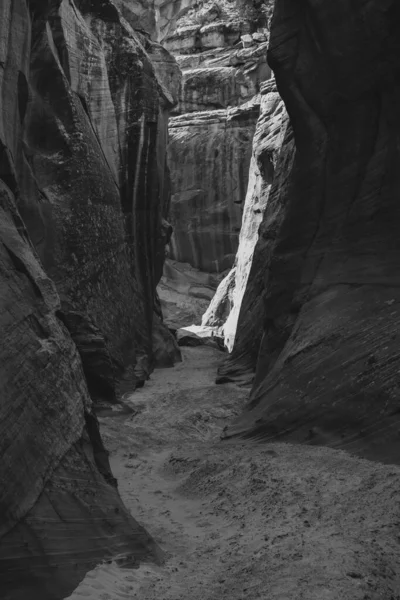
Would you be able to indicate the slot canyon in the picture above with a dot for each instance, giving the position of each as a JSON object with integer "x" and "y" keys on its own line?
{"x": 200, "y": 360}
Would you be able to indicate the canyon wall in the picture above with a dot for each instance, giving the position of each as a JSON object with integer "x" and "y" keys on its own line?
{"x": 240, "y": 293}
{"x": 84, "y": 196}
{"x": 327, "y": 367}
{"x": 93, "y": 101}
{"x": 221, "y": 50}
{"x": 222, "y": 53}
{"x": 209, "y": 155}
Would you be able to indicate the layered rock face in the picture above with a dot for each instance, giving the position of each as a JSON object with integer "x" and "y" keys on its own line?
{"x": 209, "y": 154}
{"x": 185, "y": 293}
{"x": 221, "y": 49}
{"x": 83, "y": 201}
{"x": 327, "y": 367}
{"x": 243, "y": 285}
{"x": 91, "y": 169}
{"x": 210, "y": 141}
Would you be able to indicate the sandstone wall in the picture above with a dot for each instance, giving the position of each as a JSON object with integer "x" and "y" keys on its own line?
{"x": 91, "y": 171}
{"x": 82, "y": 198}
{"x": 222, "y": 66}
{"x": 221, "y": 49}
{"x": 208, "y": 154}
{"x": 327, "y": 368}
{"x": 240, "y": 293}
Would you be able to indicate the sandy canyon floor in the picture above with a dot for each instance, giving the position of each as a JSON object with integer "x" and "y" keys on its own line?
{"x": 241, "y": 520}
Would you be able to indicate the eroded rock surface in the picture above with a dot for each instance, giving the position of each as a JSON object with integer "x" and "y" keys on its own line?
{"x": 244, "y": 283}
{"x": 91, "y": 175}
{"x": 185, "y": 293}
{"x": 209, "y": 154}
{"x": 327, "y": 367}
{"x": 60, "y": 510}
{"x": 221, "y": 50}
{"x": 83, "y": 124}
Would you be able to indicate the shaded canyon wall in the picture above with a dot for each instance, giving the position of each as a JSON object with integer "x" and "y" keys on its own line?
{"x": 221, "y": 50}
{"x": 327, "y": 367}
{"x": 83, "y": 201}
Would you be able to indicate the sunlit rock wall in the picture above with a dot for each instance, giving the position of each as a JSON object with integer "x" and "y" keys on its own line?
{"x": 223, "y": 65}
{"x": 244, "y": 283}
{"x": 209, "y": 154}
{"x": 221, "y": 49}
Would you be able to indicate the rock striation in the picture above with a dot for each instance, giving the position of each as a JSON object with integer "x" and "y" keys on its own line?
{"x": 208, "y": 155}
{"x": 327, "y": 366}
{"x": 90, "y": 167}
{"x": 84, "y": 197}
{"x": 241, "y": 290}
{"x": 185, "y": 293}
{"x": 221, "y": 50}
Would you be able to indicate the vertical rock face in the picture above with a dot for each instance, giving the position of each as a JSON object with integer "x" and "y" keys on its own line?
{"x": 140, "y": 14}
{"x": 91, "y": 167}
{"x": 221, "y": 49}
{"x": 242, "y": 288}
{"x": 82, "y": 234}
{"x": 222, "y": 66}
{"x": 209, "y": 154}
{"x": 327, "y": 369}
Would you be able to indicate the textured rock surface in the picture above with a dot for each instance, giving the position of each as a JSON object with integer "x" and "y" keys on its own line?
{"x": 221, "y": 49}
{"x": 185, "y": 293}
{"x": 327, "y": 368}
{"x": 209, "y": 154}
{"x": 140, "y": 14}
{"x": 210, "y": 140}
{"x": 266, "y": 166}
{"x": 82, "y": 243}
{"x": 54, "y": 469}
{"x": 91, "y": 167}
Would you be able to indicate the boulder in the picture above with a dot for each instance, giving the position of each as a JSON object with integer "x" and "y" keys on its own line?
{"x": 247, "y": 41}
{"x": 197, "y": 335}
{"x": 185, "y": 293}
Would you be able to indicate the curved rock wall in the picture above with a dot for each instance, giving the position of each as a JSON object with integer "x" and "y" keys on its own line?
{"x": 83, "y": 193}
{"x": 243, "y": 284}
{"x": 326, "y": 370}
{"x": 54, "y": 469}
{"x": 221, "y": 49}
{"x": 91, "y": 167}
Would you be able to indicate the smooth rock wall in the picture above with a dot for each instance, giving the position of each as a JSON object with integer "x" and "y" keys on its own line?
{"x": 239, "y": 296}
{"x": 327, "y": 367}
